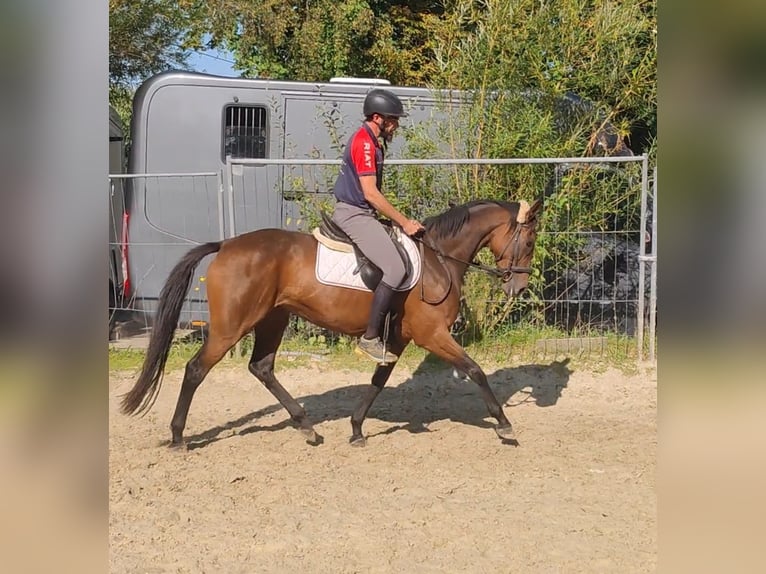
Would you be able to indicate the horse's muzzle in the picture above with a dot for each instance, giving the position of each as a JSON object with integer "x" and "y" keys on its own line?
{"x": 513, "y": 288}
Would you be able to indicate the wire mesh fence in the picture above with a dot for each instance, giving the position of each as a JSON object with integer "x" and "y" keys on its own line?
{"x": 594, "y": 245}
{"x": 154, "y": 219}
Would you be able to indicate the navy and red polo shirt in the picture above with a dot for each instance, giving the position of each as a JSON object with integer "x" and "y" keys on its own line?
{"x": 363, "y": 156}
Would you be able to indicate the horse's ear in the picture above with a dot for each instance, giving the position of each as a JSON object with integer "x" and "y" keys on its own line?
{"x": 535, "y": 209}
{"x": 523, "y": 214}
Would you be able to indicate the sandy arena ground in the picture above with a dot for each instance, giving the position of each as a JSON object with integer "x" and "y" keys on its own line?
{"x": 434, "y": 490}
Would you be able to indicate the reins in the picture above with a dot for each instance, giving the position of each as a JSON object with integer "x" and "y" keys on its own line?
{"x": 440, "y": 257}
{"x": 495, "y": 271}
{"x": 504, "y": 274}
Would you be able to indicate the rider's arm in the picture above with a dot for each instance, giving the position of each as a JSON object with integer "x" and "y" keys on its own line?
{"x": 375, "y": 198}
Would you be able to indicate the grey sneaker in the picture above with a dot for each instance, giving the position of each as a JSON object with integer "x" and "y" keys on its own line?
{"x": 374, "y": 349}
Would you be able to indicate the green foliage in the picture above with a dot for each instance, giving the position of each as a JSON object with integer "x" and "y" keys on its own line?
{"x": 517, "y": 55}
{"x": 512, "y": 344}
{"x": 147, "y": 37}
{"x": 601, "y": 50}
{"x": 314, "y": 41}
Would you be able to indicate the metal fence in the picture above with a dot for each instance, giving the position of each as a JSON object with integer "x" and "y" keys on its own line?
{"x": 596, "y": 244}
{"x": 165, "y": 214}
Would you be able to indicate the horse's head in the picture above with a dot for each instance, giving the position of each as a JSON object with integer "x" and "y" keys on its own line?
{"x": 513, "y": 246}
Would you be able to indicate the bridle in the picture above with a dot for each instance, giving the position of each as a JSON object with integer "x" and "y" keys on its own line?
{"x": 507, "y": 274}
{"x": 504, "y": 274}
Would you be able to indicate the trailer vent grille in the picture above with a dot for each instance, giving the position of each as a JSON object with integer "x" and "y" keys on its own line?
{"x": 245, "y": 132}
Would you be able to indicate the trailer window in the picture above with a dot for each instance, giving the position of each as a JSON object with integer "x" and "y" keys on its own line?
{"x": 244, "y": 134}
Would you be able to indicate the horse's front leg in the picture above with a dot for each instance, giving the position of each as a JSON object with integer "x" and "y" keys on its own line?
{"x": 379, "y": 379}
{"x": 444, "y": 346}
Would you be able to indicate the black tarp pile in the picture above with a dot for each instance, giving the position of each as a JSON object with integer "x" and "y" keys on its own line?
{"x": 600, "y": 292}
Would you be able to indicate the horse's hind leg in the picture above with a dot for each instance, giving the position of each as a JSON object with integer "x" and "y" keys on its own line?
{"x": 443, "y": 345}
{"x": 268, "y": 337}
{"x": 212, "y": 351}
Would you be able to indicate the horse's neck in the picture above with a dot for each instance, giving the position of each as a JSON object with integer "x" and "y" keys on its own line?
{"x": 465, "y": 247}
{"x": 472, "y": 241}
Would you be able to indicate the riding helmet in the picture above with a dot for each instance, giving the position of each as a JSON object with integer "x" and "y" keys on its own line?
{"x": 383, "y": 102}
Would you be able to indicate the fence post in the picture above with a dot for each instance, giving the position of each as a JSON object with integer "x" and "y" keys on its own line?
{"x": 221, "y": 225}
{"x": 653, "y": 279}
{"x": 641, "y": 261}
{"x": 230, "y": 233}
{"x": 230, "y": 194}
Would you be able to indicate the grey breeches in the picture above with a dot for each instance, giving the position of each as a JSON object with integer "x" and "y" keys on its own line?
{"x": 372, "y": 239}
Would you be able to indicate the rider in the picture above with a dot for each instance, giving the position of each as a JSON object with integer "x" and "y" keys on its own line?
{"x": 358, "y": 195}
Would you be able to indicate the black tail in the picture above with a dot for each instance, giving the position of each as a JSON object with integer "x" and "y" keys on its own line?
{"x": 143, "y": 394}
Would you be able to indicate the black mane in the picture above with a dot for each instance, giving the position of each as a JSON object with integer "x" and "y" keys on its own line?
{"x": 449, "y": 223}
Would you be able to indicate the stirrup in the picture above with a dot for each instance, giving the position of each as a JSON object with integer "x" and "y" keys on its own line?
{"x": 375, "y": 350}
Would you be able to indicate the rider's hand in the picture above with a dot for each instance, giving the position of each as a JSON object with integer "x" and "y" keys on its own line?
{"x": 413, "y": 227}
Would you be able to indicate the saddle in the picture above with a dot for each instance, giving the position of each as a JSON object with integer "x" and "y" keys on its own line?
{"x": 333, "y": 237}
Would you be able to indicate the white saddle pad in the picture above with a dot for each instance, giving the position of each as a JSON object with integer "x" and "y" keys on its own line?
{"x": 336, "y": 268}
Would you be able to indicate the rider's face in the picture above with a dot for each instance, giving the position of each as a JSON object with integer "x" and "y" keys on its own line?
{"x": 388, "y": 127}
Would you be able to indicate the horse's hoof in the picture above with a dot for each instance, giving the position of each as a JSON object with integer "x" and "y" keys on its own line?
{"x": 178, "y": 446}
{"x": 505, "y": 432}
{"x": 357, "y": 441}
{"x": 310, "y": 435}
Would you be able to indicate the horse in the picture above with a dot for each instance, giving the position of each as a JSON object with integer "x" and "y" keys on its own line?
{"x": 258, "y": 279}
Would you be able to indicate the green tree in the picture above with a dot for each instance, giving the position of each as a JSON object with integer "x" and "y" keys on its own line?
{"x": 314, "y": 41}
{"x": 147, "y": 37}
{"x": 601, "y": 50}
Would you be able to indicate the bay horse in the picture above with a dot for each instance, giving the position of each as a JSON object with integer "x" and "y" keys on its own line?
{"x": 258, "y": 279}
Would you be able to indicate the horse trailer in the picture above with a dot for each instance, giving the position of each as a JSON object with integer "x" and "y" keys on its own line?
{"x": 184, "y": 126}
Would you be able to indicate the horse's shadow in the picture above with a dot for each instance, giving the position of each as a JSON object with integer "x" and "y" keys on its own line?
{"x": 431, "y": 394}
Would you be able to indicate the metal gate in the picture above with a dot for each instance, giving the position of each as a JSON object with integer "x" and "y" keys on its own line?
{"x": 595, "y": 282}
